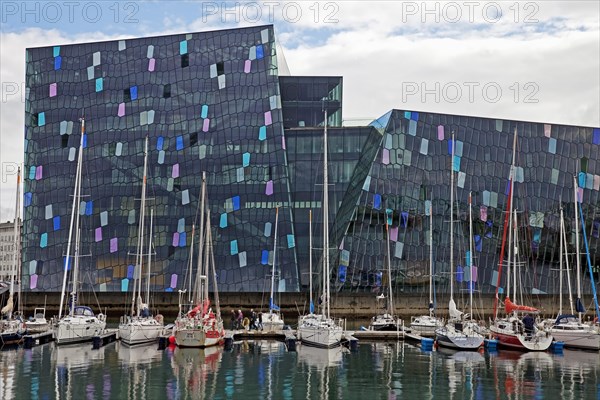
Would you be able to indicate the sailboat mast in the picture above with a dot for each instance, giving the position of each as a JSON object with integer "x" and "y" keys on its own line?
{"x": 471, "y": 283}
{"x": 16, "y": 250}
{"x": 577, "y": 256}
{"x": 139, "y": 258}
{"x": 205, "y": 266}
{"x": 452, "y": 221}
{"x": 507, "y": 219}
{"x": 561, "y": 254}
{"x": 310, "y": 245}
{"x": 74, "y": 210}
{"x": 149, "y": 258}
{"x": 200, "y": 241}
{"x": 325, "y": 219}
{"x": 77, "y": 229}
{"x": 431, "y": 258}
{"x": 389, "y": 269}
{"x": 271, "y": 302}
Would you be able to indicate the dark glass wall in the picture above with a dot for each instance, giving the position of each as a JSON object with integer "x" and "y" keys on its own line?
{"x": 302, "y": 100}
{"x": 208, "y": 102}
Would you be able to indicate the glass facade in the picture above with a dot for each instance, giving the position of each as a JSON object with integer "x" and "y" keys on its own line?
{"x": 411, "y": 176}
{"x": 213, "y": 102}
{"x": 208, "y": 102}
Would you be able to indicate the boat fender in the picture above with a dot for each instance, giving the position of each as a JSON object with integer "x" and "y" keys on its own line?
{"x": 159, "y": 318}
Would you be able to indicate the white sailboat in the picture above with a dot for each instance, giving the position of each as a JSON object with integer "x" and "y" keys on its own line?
{"x": 38, "y": 323}
{"x": 426, "y": 325}
{"x": 569, "y": 328}
{"x": 80, "y": 324}
{"x": 200, "y": 326}
{"x": 387, "y": 321}
{"x": 273, "y": 321}
{"x": 512, "y": 331}
{"x": 140, "y": 326}
{"x": 321, "y": 330}
{"x": 456, "y": 333}
{"x": 12, "y": 327}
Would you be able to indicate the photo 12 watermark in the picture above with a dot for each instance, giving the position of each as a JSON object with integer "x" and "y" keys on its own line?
{"x": 292, "y": 12}
{"x": 472, "y": 12}
{"x": 61, "y": 12}
{"x": 471, "y": 92}
{"x": 8, "y": 171}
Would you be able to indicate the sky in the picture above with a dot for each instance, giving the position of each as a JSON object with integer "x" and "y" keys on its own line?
{"x": 532, "y": 60}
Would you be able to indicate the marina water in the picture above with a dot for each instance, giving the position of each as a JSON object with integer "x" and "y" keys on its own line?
{"x": 266, "y": 370}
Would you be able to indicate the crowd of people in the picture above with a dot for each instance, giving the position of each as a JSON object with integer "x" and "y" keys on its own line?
{"x": 238, "y": 321}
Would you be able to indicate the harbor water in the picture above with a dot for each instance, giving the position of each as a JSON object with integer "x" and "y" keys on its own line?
{"x": 266, "y": 370}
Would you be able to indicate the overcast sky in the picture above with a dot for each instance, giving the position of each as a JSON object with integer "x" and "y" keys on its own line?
{"x": 534, "y": 61}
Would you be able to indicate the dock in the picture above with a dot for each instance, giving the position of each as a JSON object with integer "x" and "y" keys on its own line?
{"x": 378, "y": 335}
{"x": 106, "y": 337}
{"x": 29, "y": 341}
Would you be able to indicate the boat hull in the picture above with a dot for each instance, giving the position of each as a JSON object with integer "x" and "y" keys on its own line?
{"x": 77, "y": 329}
{"x": 587, "y": 340}
{"x": 140, "y": 331}
{"x": 198, "y": 338}
{"x": 459, "y": 342}
{"x": 539, "y": 342}
{"x": 425, "y": 325}
{"x": 318, "y": 331}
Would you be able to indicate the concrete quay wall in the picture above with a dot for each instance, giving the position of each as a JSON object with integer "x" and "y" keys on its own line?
{"x": 353, "y": 306}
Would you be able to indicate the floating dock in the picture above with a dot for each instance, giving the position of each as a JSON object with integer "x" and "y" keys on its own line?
{"x": 37, "y": 339}
{"x": 106, "y": 337}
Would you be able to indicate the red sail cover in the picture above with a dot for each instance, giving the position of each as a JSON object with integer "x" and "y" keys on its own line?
{"x": 509, "y": 307}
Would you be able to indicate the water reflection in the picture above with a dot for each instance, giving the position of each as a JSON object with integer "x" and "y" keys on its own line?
{"x": 266, "y": 370}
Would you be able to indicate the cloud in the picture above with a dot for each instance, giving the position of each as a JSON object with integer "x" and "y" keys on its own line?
{"x": 543, "y": 56}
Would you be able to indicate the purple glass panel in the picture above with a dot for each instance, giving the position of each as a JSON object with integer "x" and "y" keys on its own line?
{"x": 52, "y": 89}
{"x": 268, "y": 119}
{"x": 440, "y": 132}
{"x": 206, "y": 125}
{"x": 269, "y": 190}
{"x": 38, "y": 172}
{"x": 114, "y": 245}
{"x": 98, "y": 234}
{"x": 175, "y": 173}
{"x": 175, "y": 241}
{"x": 474, "y": 274}
{"x": 121, "y": 111}
{"x": 247, "y": 66}
{"x": 483, "y": 213}
{"x": 173, "y": 281}
{"x": 394, "y": 233}
{"x": 385, "y": 158}
{"x": 151, "y": 64}
{"x": 33, "y": 281}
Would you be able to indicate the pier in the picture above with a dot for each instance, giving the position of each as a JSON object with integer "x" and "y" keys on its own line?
{"x": 106, "y": 337}
{"x": 37, "y": 339}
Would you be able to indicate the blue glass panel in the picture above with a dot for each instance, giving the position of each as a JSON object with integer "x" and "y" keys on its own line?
{"x": 378, "y": 276}
{"x": 179, "y": 143}
{"x": 596, "y": 136}
{"x": 159, "y": 143}
{"x": 169, "y": 289}
{"x": 84, "y": 140}
{"x": 89, "y": 207}
{"x": 99, "y": 85}
{"x": 377, "y": 202}
{"x": 489, "y": 225}
{"x": 459, "y": 273}
{"x": 183, "y": 47}
{"x": 130, "y": 271}
{"x": 552, "y": 146}
{"x": 44, "y": 240}
{"x": 450, "y": 143}
{"x": 56, "y": 51}
{"x": 412, "y": 127}
{"x": 236, "y": 203}
{"x": 233, "y": 247}
{"x": 223, "y": 221}
{"x": 31, "y": 173}
{"x": 133, "y": 93}
{"x": 407, "y": 114}
{"x": 404, "y": 219}
{"x": 57, "y": 63}
{"x": 291, "y": 241}
{"x": 27, "y": 201}
{"x": 124, "y": 284}
{"x": 342, "y": 273}
{"x": 264, "y": 260}
{"x": 478, "y": 243}
{"x": 182, "y": 239}
{"x": 456, "y": 163}
{"x": 262, "y": 133}
{"x": 389, "y": 213}
{"x": 56, "y": 221}
{"x": 246, "y": 159}
{"x": 581, "y": 180}
{"x": 41, "y": 119}
{"x": 468, "y": 258}
{"x": 259, "y": 52}
{"x": 414, "y": 116}
{"x": 204, "y": 112}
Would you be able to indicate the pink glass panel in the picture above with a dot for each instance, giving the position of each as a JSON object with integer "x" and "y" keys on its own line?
{"x": 114, "y": 245}
{"x": 206, "y": 125}
{"x": 268, "y": 120}
{"x": 483, "y": 213}
{"x": 52, "y": 89}
{"x": 385, "y": 157}
{"x": 175, "y": 242}
{"x": 38, "y": 173}
{"x": 173, "y": 281}
{"x": 247, "y": 66}
{"x": 175, "y": 173}
{"x": 474, "y": 274}
{"x": 121, "y": 111}
{"x": 98, "y": 234}
{"x": 394, "y": 233}
{"x": 33, "y": 281}
{"x": 269, "y": 190}
{"x": 440, "y": 132}
{"x": 151, "y": 64}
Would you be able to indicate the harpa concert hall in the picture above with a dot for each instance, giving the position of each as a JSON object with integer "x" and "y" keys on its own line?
{"x": 218, "y": 102}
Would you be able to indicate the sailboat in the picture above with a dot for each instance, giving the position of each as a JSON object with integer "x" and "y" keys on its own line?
{"x": 456, "y": 333}
{"x": 512, "y": 331}
{"x": 569, "y": 328}
{"x": 387, "y": 321}
{"x": 273, "y": 321}
{"x": 426, "y": 325}
{"x": 321, "y": 330}
{"x": 12, "y": 327}
{"x": 201, "y": 326}
{"x": 140, "y": 326}
{"x": 79, "y": 324}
